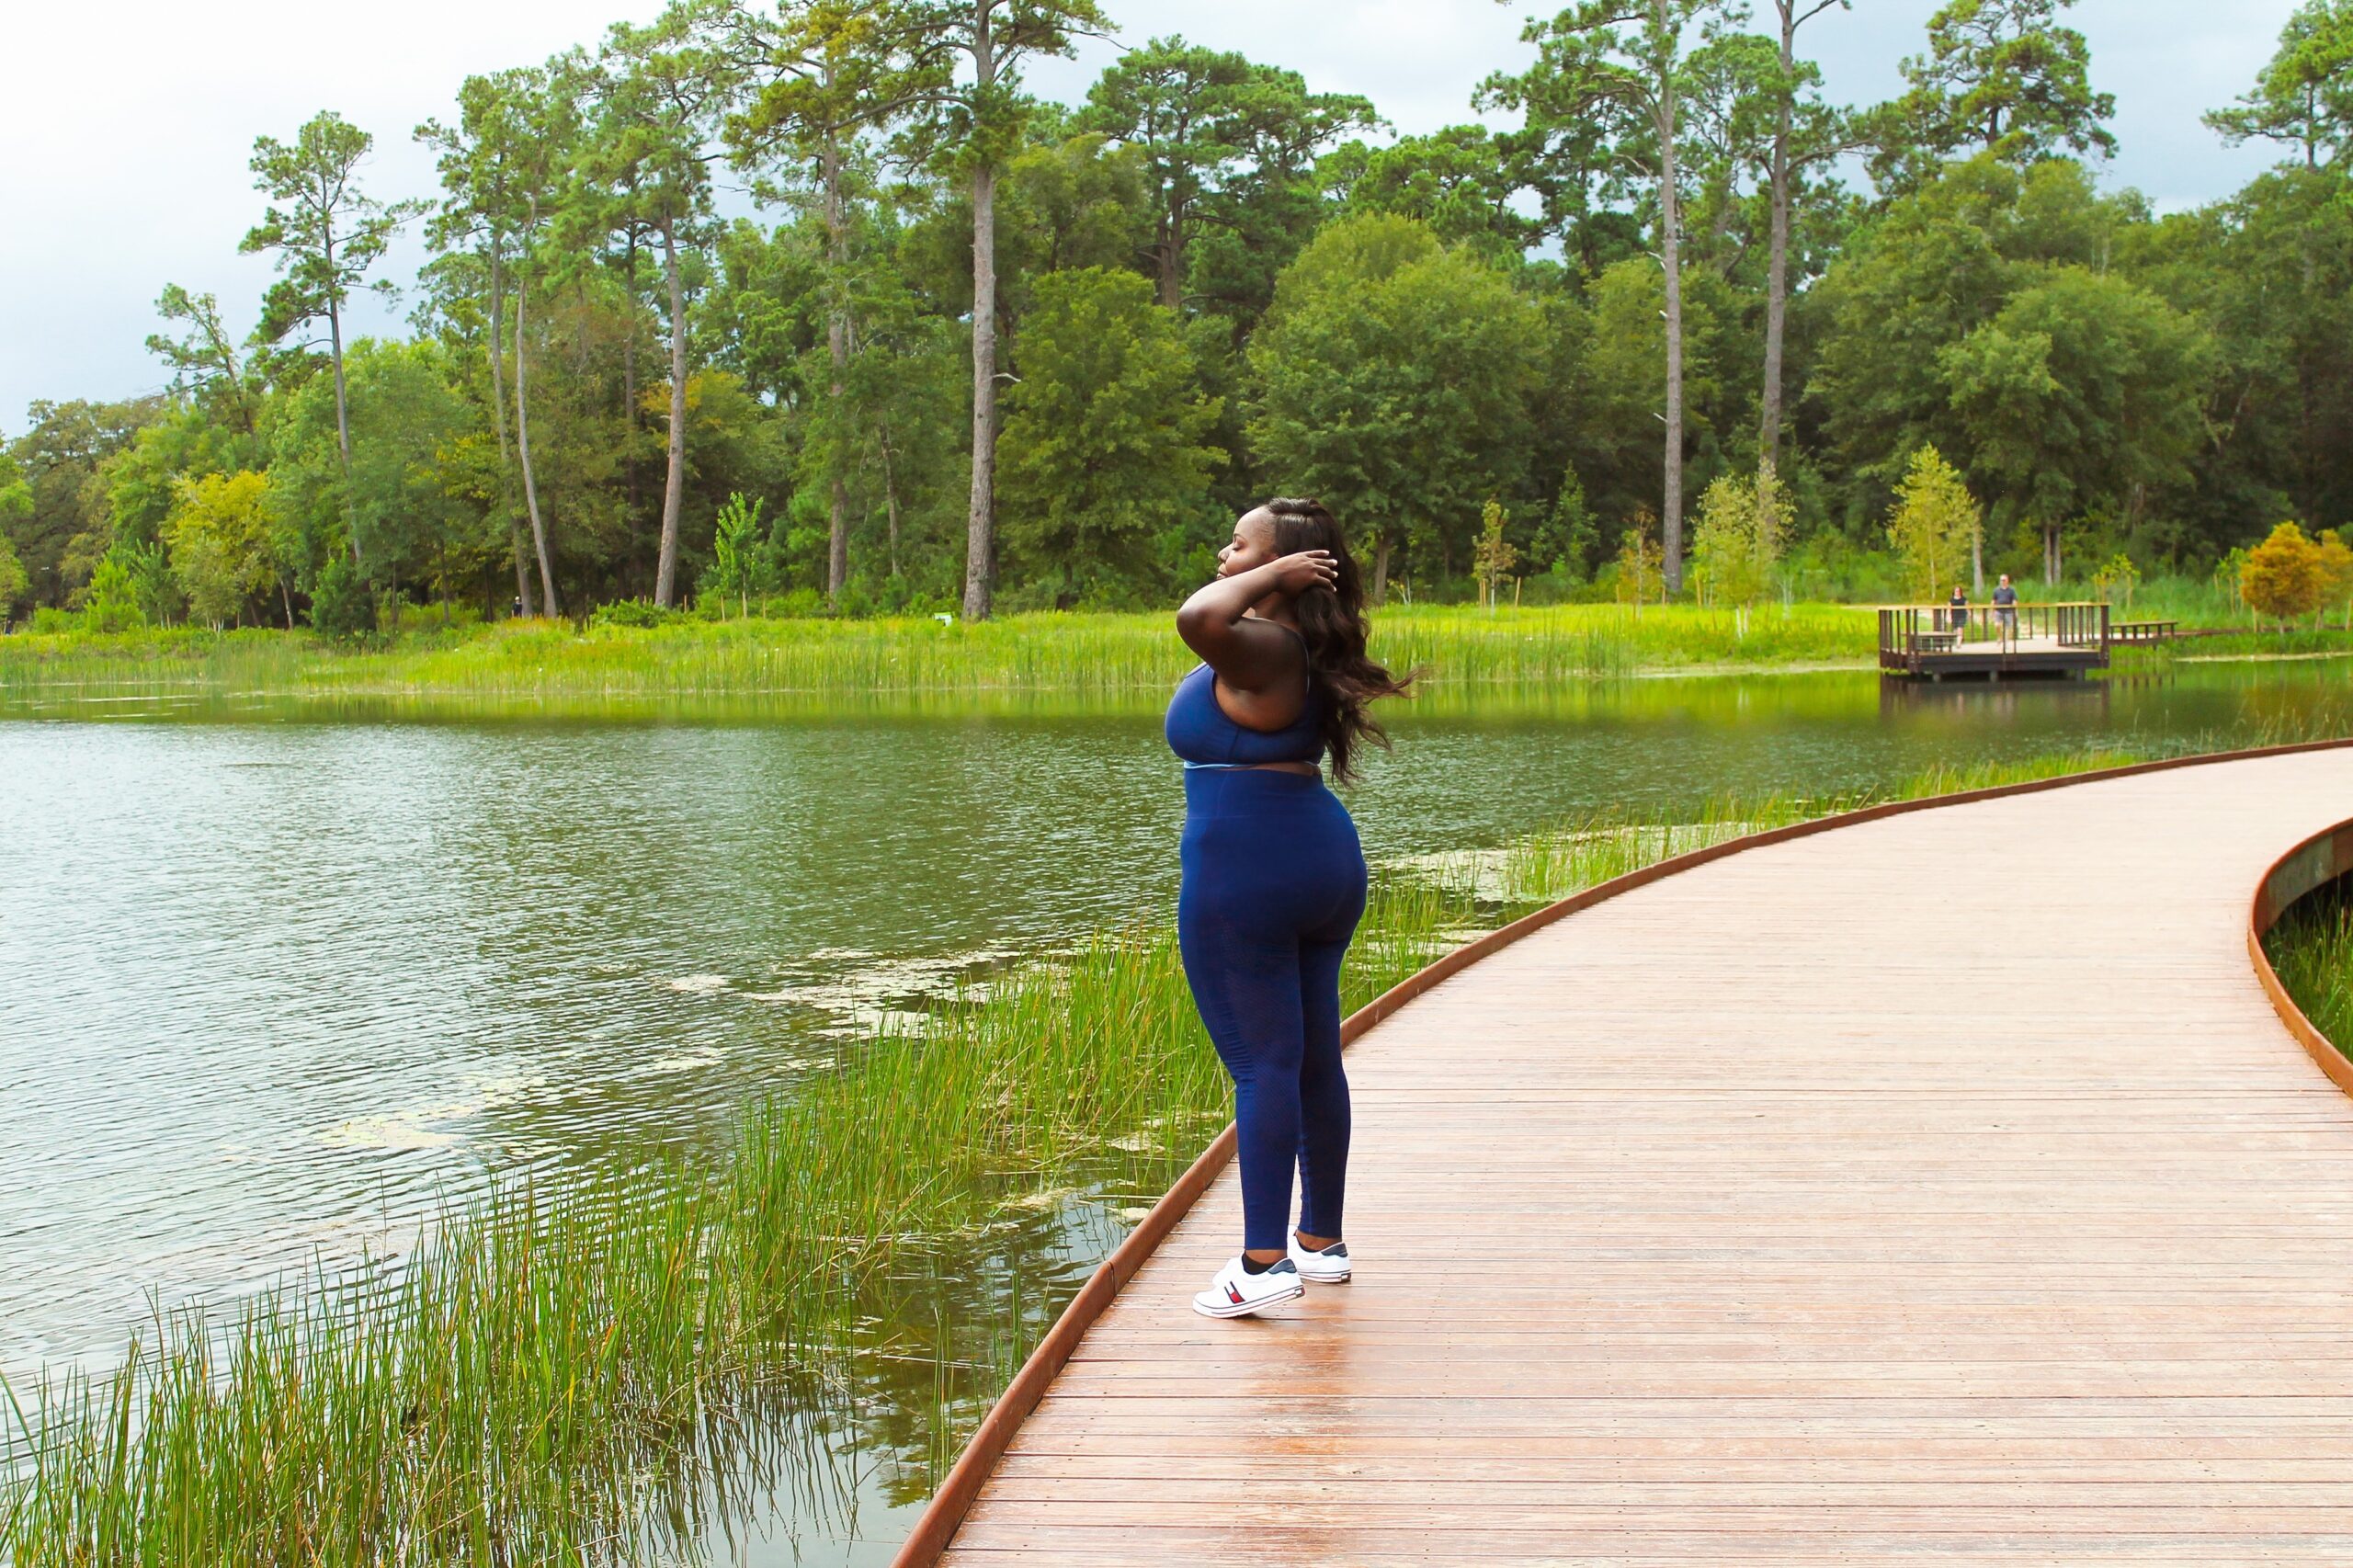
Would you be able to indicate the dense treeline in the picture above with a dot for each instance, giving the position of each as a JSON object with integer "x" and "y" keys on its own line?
{"x": 813, "y": 306}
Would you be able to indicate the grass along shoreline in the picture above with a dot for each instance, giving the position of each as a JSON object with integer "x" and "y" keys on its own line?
{"x": 1070, "y": 654}
{"x": 570, "y": 1373}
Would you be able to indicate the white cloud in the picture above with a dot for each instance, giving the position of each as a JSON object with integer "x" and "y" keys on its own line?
{"x": 128, "y": 125}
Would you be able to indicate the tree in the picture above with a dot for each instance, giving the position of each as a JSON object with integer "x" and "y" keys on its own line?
{"x": 2001, "y": 76}
{"x": 220, "y": 536}
{"x": 1742, "y": 524}
{"x": 2284, "y": 576}
{"x": 1616, "y": 64}
{"x": 327, "y": 234}
{"x": 16, "y": 505}
{"x": 665, "y": 93}
{"x": 1639, "y": 563}
{"x": 2337, "y": 572}
{"x": 973, "y": 124}
{"x": 1103, "y": 453}
{"x": 2083, "y": 392}
{"x": 734, "y": 544}
{"x": 2304, "y": 97}
{"x": 1934, "y": 523}
{"x": 494, "y": 169}
{"x": 826, "y": 72}
{"x": 1494, "y": 556}
{"x": 204, "y": 362}
{"x": 1456, "y": 180}
{"x": 1393, "y": 378}
{"x": 1201, "y": 118}
{"x": 1806, "y": 132}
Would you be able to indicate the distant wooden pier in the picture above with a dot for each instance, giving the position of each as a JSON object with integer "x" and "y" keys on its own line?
{"x": 1985, "y": 642}
{"x": 1938, "y": 1184}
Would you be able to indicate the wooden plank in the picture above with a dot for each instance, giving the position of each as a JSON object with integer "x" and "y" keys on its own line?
{"x": 1762, "y": 1211}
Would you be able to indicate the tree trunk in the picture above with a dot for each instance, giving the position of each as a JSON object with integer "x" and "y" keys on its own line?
{"x": 1172, "y": 262}
{"x": 1671, "y": 256}
{"x": 1777, "y": 270}
{"x": 629, "y": 402}
{"x": 497, "y": 346}
{"x": 286, "y": 597}
{"x": 674, "y": 488}
{"x": 837, "y": 344}
{"x": 1380, "y": 568}
{"x": 342, "y": 409}
{"x": 1977, "y": 563}
{"x": 523, "y": 450}
{"x": 2050, "y": 554}
{"x": 980, "y": 527}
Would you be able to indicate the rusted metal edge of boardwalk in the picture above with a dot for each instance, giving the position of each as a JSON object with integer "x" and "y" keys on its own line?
{"x": 2295, "y": 873}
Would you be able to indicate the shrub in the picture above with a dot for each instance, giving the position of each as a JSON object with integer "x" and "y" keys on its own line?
{"x": 632, "y": 612}
{"x": 341, "y": 605}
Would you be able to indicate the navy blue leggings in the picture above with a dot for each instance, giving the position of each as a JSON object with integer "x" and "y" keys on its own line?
{"x": 1274, "y": 886}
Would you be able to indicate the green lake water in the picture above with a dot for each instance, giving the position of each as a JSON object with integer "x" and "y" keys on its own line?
{"x": 275, "y": 979}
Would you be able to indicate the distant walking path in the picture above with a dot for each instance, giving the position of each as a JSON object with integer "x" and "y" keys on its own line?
{"x": 1937, "y": 1186}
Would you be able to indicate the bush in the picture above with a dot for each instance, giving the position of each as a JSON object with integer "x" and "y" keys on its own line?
{"x": 632, "y": 612}
{"x": 341, "y": 605}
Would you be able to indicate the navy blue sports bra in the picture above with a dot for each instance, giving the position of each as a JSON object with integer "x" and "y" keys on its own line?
{"x": 1200, "y": 732}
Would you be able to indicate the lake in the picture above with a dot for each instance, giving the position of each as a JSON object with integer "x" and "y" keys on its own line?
{"x": 276, "y": 985}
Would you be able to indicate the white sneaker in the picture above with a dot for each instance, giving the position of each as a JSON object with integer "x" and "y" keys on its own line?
{"x": 1237, "y": 1293}
{"x": 1329, "y": 1267}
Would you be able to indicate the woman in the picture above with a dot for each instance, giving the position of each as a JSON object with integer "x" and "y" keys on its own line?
{"x": 1274, "y": 877}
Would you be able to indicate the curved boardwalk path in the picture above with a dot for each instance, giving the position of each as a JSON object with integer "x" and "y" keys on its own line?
{"x": 1939, "y": 1186}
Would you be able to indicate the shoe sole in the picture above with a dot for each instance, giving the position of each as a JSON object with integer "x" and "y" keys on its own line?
{"x": 1247, "y": 1308}
{"x": 1327, "y": 1278}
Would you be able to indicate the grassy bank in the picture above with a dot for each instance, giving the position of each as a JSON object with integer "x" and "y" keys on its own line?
{"x": 856, "y": 660}
{"x": 570, "y": 1374}
{"x": 2311, "y": 949}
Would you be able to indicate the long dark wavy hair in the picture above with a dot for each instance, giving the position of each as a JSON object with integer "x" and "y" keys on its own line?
{"x": 1332, "y": 623}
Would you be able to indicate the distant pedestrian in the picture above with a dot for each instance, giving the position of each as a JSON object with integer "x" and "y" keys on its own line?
{"x": 1957, "y": 611}
{"x": 2006, "y": 607}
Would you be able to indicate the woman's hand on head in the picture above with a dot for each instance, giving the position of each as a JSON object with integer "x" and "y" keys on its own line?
{"x": 1294, "y": 575}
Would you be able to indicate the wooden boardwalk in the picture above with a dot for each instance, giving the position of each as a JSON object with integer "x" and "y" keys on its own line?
{"x": 1939, "y": 1186}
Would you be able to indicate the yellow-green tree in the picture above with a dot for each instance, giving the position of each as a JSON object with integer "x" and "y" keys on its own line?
{"x": 1933, "y": 525}
{"x": 1496, "y": 556}
{"x": 1737, "y": 543}
{"x": 2283, "y": 577}
{"x": 220, "y": 536}
{"x": 1641, "y": 564}
{"x": 2337, "y": 573}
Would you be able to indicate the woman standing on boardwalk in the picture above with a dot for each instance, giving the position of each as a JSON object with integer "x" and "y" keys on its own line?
{"x": 1274, "y": 878}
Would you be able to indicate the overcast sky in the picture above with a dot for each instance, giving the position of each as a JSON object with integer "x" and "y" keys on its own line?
{"x": 125, "y": 125}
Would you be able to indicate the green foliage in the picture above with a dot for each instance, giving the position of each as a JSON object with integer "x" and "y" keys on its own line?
{"x": 2304, "y": 97}
{"x": 734, "y": 547}
{"x": 1932, "y": 525}
{"x": 110, "y": 604}
{"x": 1742, "y": 529}
{"x": 341, "y": 606}
{"x": 1392, "y": 378}
{"x": 13, "y": 581}
{"x": 2001, "y": 78}
{"x": 636, "y": 612}
{"x": 219, "y": 532}
{"x": 1494, "y": 557}
{"x": 1103, "y": 455}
